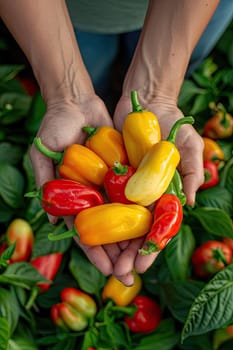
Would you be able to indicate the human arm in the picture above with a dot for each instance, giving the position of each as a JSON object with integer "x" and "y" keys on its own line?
{"x": 44, "y": 32}
{"x": 169, "y": 35}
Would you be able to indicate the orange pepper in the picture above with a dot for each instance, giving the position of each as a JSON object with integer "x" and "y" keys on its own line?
{"x": 212, "y": 151}
{"x": 108, "y": 143}
{"x": 78, "y": 163}
{"x": 109, "y": 223}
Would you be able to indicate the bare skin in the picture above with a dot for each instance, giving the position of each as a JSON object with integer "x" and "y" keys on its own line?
{"x": 170, "y": 33}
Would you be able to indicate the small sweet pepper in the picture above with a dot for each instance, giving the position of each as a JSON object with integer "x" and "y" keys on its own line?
{"x": 220, "y": 125}
{"x": 48, "y": 266}
{"x": 168, "y": 215}
{"x": 147, "y": 316}
{"x": 20, "y": 232}
{"x": 77, "y": 162}
{"x": 210, "y": 257}
{"x": 121, "y": 295}
{"x": 211, "y": 175}
{"x": 62, "y": 197}
{"x": 156, "y": 170}
{"x": 109, "y": 223}
{"x": 115, "y": 181}
{"x": 212, "y": 151}
{"x": 140, "y": 131}
{"x": 108, "y": 143}
{"x": 75, "y": 310}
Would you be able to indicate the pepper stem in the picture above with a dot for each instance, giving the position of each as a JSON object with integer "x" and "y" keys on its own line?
{"x": 135, "y": 103}
{"x": 47, "y": 152}
{"x": 172, "y": 135}
{"x": 34, "y": 194}
{"x": 120, "y": 169}
{"x": 152, "y": 247}
{"x": 89, "y": 130}
{"x": 219, "y": 255}
{"x": 63, "y": 235}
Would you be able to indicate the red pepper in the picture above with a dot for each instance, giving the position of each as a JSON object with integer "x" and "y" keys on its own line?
{"x": 61, "y": 197}
{"x": 20, "y": 232}
{"x": 228, "y": 241}
{"x": 146, "y": 317}
{"x": 211, "y": 257}
{"x": 211, "y": 175}
{"x": 168, "y": 216}
{"x": 48, "y": 266}
{"x": 220, "y": 125}
{"x": 74, "y": 311}
{"x": 115, "y": 181}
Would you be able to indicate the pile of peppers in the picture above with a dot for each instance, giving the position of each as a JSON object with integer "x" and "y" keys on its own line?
{"x": 111, "y": 182}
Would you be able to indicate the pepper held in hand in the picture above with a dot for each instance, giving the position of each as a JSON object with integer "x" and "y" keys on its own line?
{"x": 140, "y": 131}
{"x": 156, "y": 170}
{"x": 77, "y": 163}
{"x": 108, "y": 143}
{"x": 61, "y": 197}
{"x": 109, "y": 223}
{"x": 115, "y": 181}
{"x": 168, "y": 215}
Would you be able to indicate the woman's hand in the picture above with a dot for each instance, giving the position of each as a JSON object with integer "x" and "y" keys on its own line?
{"x": 190, "y": 146}
{"x": 62, "y": 126}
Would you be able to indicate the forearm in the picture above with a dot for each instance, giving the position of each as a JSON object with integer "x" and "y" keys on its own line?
{"x": 169, "y": 35}
{"x": 44, "y": 32}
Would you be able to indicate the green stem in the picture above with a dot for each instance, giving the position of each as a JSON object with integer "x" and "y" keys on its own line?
{"x": 63, "y": 235}
{"x": 120, "y": 169}
{"x": 128, "y": 310}
{"x": 90, "y": 130}
{"x": 58, "y": 156}
{"x": 219, "y": 255}
{"x": 177, "y": 125}
{"x": 33, "y": 295}
{"x": 135, "y": 103}
{"x": 34, "y": 194}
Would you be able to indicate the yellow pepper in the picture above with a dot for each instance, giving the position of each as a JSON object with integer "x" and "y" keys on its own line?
{"x": 108, "y": 143}
{"x": 156, "y": 169}
{"x": 140, "y": 131}
{"x": 109, "y": 223}
{"x": 78, "y": 163}
{"x": 122, "y": 295}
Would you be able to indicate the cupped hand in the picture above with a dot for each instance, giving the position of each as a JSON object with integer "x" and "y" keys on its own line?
{"x": 190, "y": 146}
{"x": 62, "y": 126}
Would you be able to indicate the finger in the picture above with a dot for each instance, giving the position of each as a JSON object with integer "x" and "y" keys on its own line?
{"x": 127, "y": 280}
{"x": 98, "y": 257}
{"x": 143, "y": 262}
{"x": 125, "y": 264}
{"x": 123, "y": 244}
{"x": 113, "y": 251}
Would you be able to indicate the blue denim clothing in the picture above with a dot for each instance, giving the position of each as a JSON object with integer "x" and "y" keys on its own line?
{"x": 101, "y": 51}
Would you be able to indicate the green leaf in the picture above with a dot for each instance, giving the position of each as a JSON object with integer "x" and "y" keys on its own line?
{"x": 89, "y": 278}
{"x": 36, "y": 113}
{"x": 6, "y": 212}
{"x": 9, "y": 308}
{"x": 178, "y": 253}
{"x": 4, "y": 332}
{"x": 179, "y": 296}
{"x": 27, "y": 165}
{"x": 8, "y": 72}
{"x": 10, "y": 153}
{"x": 202, "y": 80}
{"x": 188, "y": 90}
{"x": 215, "y": 221}
{"x": 216, "y": 197}
{"x": 13, "y": 107}
{"x": 213, "y": 307}
{"x": 21, "y": 274}
{"x": 200, "y": 103}
{"x": 11, "y": 185}
{"x": 164, "y": 337}
{"x": 42, "y": 246}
